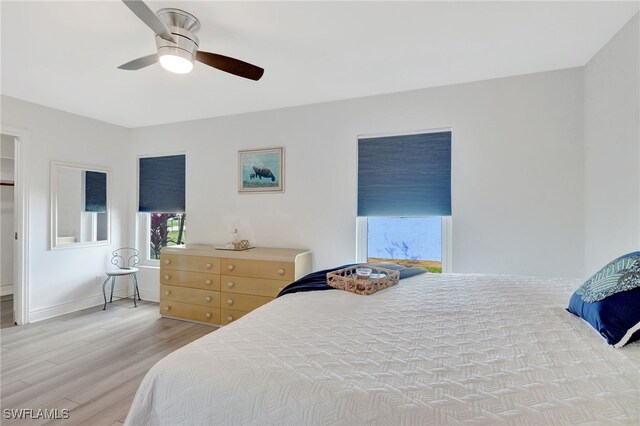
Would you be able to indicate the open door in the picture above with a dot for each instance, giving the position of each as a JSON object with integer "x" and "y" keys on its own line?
{"x": 14, "y": 228}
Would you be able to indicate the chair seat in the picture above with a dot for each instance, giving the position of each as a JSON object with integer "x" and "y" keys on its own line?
{"x": 122, "y": 271}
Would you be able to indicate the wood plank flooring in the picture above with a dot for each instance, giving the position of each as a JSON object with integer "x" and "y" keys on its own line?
{"x": 90, "y": 362}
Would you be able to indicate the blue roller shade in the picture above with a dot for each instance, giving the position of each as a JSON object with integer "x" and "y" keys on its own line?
{"x": 161, "y": 183}
{"x": 95, "y": 192}
{"x": 406, "y": 176}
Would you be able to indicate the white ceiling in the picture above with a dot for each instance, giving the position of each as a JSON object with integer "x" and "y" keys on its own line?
{"x": 64, "y": 54}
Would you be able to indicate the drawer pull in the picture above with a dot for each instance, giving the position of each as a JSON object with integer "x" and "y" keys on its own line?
{"x": 229, "y": 284}
{"x": 208, "y": 298}
{"x": 167, "y": 292}
{"x": 280, "y": 271}
{"x": 167, "y": 261}
{"x": 230, "y": 302}
{"x": 231, "y": 267}
{"x": 209, "y": 266}
{"x": 208, "y": 315}
{"x": 229, "y": 318}
{"x": 166, "y": 308}
{"x": 208, "y": 282}
{"x": 166, "y": 277}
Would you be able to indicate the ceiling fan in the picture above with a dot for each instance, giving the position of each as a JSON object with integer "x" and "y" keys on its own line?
{"x": 177, "y": 44}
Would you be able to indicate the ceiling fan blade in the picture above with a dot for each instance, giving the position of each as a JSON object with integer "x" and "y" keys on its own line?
{"x": 140, "y": 63}
{"x": 230, "y": 65}
{"x": 147, "y": 16}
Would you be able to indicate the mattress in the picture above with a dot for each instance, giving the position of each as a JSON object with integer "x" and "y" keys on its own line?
{"x": 436, "y": 349}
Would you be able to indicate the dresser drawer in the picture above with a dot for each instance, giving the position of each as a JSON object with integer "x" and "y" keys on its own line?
{"x": 190, "y": 279}
{"x": 190, "y": 295}
{"x": 228, "y": 316}
{"x": 242, "y": 302}
{"x": 259, "y": 269}
{"x": 190, "y": 263}
{"x": 256, "y": 286}
{"x": 171, "y": 308}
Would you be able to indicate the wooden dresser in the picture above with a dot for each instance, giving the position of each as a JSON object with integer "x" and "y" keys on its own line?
{"x": 200, "y": 283}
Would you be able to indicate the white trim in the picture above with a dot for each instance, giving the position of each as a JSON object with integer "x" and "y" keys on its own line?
{"x": 447, "y": 244}
{"x": 149, "y": 295}
{"x": 53, "y": 238}
{"x": 77, "y": 305}
{"x": 627, "y": 336}
{"x": 21, "y": 224}
{"x": 143, "y": 244}
{"x": 362, "y": 240}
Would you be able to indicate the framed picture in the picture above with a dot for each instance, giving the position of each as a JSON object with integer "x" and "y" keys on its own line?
{"x": 261, "y": 170}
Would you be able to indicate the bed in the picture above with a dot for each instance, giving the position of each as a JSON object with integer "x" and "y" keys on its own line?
{"x": 435, "y": 349}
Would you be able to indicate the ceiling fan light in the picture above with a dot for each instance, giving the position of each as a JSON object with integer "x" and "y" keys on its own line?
{"x": 176, "y": 64}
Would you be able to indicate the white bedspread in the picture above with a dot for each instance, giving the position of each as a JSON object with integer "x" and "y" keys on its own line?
{"x": 436, "y": 349}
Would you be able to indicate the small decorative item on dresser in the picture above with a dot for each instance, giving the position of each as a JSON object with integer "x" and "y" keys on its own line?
{"x": 363, "y": 279}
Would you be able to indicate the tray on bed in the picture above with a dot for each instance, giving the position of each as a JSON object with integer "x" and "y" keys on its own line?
{"x": 347, "y": 279}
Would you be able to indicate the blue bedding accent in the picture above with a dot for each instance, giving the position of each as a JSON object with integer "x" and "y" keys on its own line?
{"x": 317, "y": 281}
{"x": 610, "y": 300}
{"x": 616, "y": 318}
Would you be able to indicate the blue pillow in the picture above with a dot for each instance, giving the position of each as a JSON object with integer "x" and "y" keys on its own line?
{"x": 610, "y": 300}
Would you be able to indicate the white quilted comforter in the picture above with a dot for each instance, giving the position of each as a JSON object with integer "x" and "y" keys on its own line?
{"x": 436, "y": 349}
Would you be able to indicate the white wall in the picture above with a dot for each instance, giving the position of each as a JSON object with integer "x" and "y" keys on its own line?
{"x": 70, "y": 208}
{"x": 65, "y": 280}
{"x": 6, "y": 215}
{"x": 612, "y": 149}
{"x": 517, "y": 172}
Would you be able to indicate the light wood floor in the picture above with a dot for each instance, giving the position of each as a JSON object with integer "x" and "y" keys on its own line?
{"x": 89, "y": 362}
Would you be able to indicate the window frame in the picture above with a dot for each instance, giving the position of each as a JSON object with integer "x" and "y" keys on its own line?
{"x": 143, "y": 239}
{"x": 143, "y": 219}
{"x": 362, "y": 241}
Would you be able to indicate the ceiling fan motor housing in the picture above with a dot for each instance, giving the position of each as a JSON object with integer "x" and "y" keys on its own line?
{"x": 183, "y": 26}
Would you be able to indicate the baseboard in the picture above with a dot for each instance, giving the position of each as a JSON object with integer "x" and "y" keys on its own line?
{"x": 36, "y": 315}
{"x": 6, "y": 289}
{"x": 150, "y": 296}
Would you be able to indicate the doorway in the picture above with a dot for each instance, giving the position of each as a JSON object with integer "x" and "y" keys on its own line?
{"x": 14, "y": 229}
{"x": 7, "y": 229}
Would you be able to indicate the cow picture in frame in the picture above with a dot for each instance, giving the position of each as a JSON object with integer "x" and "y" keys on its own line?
{"x": 261, "y": 170}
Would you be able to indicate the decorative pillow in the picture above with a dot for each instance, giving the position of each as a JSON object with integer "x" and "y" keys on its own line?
{"x": 610, "y": 300}
{"x": 620, "y": 275}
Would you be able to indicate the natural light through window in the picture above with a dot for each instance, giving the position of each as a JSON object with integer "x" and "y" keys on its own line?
{"x": 407, "y": 241}
{"x": 165, "y": 229}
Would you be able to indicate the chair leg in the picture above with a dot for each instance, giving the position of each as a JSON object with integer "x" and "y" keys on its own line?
{"x": 135, "y": 304}
{"x": 113, "y": 281}
{"x": 135, "y": 279}
{"x": 104, "y": 294}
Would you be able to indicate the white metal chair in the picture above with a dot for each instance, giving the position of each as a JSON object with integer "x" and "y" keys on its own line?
{"x": 125, "y": 259}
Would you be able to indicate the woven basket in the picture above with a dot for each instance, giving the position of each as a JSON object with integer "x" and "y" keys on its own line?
{"x": 346, "y": 279}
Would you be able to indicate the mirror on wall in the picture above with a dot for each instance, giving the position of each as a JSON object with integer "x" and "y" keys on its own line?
{"x": 80, "y": 215}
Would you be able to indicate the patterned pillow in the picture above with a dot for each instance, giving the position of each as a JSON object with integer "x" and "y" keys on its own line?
{"x": 610, "y": 300}
{"x": 620, "y": 275}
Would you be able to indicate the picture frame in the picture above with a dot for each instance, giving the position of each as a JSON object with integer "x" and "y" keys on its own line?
{"x": 261, "y": 170}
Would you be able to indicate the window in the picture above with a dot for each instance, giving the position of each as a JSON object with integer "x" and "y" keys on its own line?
{"x": 161, "y": 204}
{"x": 404, "y": 200}
{"x": 165, "y": 229}
{"x": 409, "y": 241}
